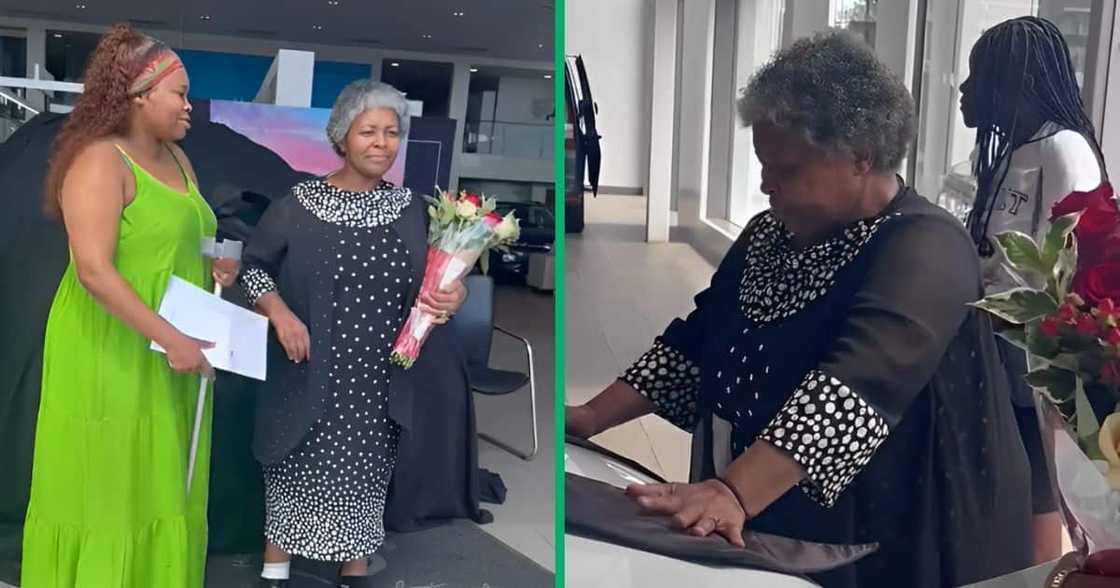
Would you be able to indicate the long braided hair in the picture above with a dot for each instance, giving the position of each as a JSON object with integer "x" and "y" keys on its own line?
{"x": 1017, "y": 49}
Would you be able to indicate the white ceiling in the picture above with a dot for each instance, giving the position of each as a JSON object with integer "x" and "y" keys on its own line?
{"x": 500, "y": 29}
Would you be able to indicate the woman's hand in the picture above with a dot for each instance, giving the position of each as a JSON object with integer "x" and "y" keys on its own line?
{"x": 225, "y": 271}
{"x": 292, "y": 334}
{"x": 700, "y": 509}
{"x": 184, "y": 355}
{"x": 443, "y": 303}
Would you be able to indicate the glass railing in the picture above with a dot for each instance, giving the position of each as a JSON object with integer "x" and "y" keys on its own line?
{"x": 508, "y": 139}
{"x": 21, "y": 99}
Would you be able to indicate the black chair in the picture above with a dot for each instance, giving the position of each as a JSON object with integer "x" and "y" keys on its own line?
{"x": 475, "y": 324}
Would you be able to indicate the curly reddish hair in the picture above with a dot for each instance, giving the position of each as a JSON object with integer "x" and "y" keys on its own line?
{"x": 103, "y": 108}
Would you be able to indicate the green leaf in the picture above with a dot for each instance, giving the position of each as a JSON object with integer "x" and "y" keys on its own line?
{"x": 1018, "y": 306}
{"x": 1066, "y": 361}
{"x": 1058, "y": 384}
{"x": 446, "y": 215}
{"x": 1057, "y": 237}
{"x": 1023, "y": 254}
{"x": 484, "y": 263}
{"x": 1020, "y": 281}
{"x": 1064, "y": 269}
{"x": 1016, "y": 336}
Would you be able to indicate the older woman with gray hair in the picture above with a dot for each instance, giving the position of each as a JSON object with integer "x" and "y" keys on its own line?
{"x": 837, "y": 384}
{"x": 336, "y": 266}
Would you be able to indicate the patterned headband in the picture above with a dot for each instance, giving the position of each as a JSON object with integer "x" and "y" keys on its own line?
{"x": 162, "y": 66}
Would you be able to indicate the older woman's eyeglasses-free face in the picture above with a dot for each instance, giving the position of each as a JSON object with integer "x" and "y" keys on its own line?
{"x": 373, "y": 141}
{"x": 802, "y": 180}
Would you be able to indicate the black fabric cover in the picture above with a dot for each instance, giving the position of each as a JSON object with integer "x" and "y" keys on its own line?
{"x": 600, "y": 511}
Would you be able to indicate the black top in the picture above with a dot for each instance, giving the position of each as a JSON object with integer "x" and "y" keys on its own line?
{"x": 291, "y": 251}
{"x": 861, "y": 358}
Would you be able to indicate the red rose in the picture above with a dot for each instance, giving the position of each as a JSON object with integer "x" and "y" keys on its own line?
{"x": 1099, "y": 282}
{"x": 1068, "y": 313}
{"x": 1087, "y": 326}
{"x": 1112, "y": 337}
{"x": 473, "y": 199}
{"x": 1049, "y": 327}
{"x": 1106, "y": 307}
{"x": 1078, "y": 201}
{"x": 492, "y": 219}
{"x": 1098, "y": 229}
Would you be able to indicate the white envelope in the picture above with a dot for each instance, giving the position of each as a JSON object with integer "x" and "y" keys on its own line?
{"x": 240, "y": 336}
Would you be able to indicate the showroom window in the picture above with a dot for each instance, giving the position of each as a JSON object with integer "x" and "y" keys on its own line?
{"x": 509, "y": 113}
{"x": 758, "y": 35}
{"x": 425, "y": 81}
{"x": 946, "y": 29}
{"x": 941, "y": 160}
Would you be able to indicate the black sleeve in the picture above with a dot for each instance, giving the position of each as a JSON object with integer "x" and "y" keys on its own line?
{"x": 669, "y": 373}
{"x": 922, "y": 274}
{"x": 263, "y": 254}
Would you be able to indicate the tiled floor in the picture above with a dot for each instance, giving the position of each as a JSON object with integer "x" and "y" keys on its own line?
{"x": 525, "y": 521}
{"x": 621, "y": 293}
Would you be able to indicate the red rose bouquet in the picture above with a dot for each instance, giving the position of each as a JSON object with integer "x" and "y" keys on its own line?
{"x": 461, "y": 229}
{"x": 1070, "y": 329}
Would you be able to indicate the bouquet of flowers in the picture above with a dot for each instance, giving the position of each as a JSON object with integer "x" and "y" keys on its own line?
{"x": 1066, "y": 316}
{"x": 462, "y": 229}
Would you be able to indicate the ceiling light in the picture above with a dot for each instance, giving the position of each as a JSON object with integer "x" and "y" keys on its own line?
{"x": 458, "y": 13}
{"x": 426, "y": 36}
{"x": 58, "y": 35}
{"x": 318, "y": 27}
{"x": 395, "y": 64}
{"x": 540, "y": 45}
{"x": 332, "y": 2}
{"x": 81, "y": 7}
{"x": 548, "y": 76}
{"x": 474, "y": 70}
{"x": 204, "y": 17}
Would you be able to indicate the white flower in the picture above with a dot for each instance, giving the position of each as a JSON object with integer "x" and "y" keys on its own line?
{"x": 507, "y": 230}
{"x": 466, "y": 209}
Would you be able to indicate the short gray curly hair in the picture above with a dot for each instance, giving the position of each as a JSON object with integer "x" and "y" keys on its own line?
{"x": 358, "y": 97}
{"x": 833, "y": 89}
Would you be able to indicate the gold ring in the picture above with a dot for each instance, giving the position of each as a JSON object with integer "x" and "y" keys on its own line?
{"x": 1059, "y": 578}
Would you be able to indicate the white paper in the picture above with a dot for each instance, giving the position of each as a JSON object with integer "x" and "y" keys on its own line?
{"x": 240, "y": 336}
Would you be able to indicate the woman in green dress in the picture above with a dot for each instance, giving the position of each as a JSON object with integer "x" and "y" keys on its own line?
{"x": 109, "y": 507}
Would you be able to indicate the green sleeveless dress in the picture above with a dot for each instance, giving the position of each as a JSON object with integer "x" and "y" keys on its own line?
{"x": 108, "y": 502}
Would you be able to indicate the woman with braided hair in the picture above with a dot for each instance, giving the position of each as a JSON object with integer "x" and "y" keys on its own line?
{"x": 1034, "y": 145}
{"x": 108, "y": 507}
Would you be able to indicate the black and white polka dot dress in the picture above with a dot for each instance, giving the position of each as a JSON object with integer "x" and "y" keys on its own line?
{"x": 859, "y": 358}
{"x": 325, "y": 500}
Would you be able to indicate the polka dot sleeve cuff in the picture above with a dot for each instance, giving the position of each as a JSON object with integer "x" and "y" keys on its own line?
{"x": 668, "y": 379}
{"x": 256, "y": 282}
{"x": 830, "y": 431}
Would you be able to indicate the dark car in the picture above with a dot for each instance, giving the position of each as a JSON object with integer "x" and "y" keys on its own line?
{"x": 538, "y": 234}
